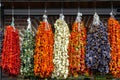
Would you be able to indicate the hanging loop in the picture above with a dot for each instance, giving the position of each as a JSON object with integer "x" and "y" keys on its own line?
{"x": 29, "y": 19}
{"x": 112, "y": 11}
{"x": 95, "y": 6}
{"x": 45, "y": 14}
{"x": 79, "y": 17}
{"x": 45, "y": 18}
{"x": 61, "y": 16}
{"x": 28, "y": 11}
{"x": 96, "y": 20}
{"x": 12, "y": 23}
{"x": 29, "y": 24}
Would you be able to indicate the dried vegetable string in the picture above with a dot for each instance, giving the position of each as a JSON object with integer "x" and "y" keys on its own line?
{"x": 27, "y": 53}
{"x": 60, "y": 60}
{"x": 11, "y": 51}
{"x": 76, "y": 49}
{"x": 43, "y": 57}
{"x": 98, "y": 47}
{"x": 114, "y": 39}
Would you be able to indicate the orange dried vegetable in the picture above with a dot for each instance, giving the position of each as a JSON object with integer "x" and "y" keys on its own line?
{"x": 76, "y": 49}
{"x": 43, "y": 57}
{"x": 114, "y": 39}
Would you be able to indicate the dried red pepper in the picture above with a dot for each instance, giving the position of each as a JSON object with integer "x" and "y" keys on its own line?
{"x": 43, "y": 57}
{"x": 11, "y": 51}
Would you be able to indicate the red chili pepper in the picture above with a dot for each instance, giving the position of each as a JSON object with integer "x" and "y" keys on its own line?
{"x": 11, "y": 51}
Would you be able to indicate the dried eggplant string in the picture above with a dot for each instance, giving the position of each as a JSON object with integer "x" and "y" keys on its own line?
{"x": 98, "y": 48}
{"x": 43, "y": 57}
{"x": 11, "y": 51}
{"x": 114, "y": 39}
{"x": 60, "y": 59}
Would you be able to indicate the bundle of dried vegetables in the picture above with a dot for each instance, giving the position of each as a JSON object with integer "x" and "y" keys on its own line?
{"x": 76, "y": 48}
{"x": 61, "y": 39}
{"x": 98, "y": 47}
{"x": 43, "y": 57}
{"x": 11, "y": 51}
{"x": 114, "y": 39}
{"x": 27, "y": 53}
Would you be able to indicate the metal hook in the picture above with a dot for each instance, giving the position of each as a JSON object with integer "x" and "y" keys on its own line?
{"x": 61, "y": 7}
{"x": 29, "y": 11}
{"x": 78, "y": 7}
{"x": 112, "y": 6}
{"x": 61, "y": 14}
{"x": 45, "y": 14}
{"x": 95, "y": 6}
{"x": 12, "y": 23}
{"x": 112, "y": 11}
{"x": 45, "y": 10}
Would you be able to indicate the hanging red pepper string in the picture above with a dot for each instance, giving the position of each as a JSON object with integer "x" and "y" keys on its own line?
{"x": 76, "y": 49}
{"x": 43, "y": 57}
{"x": 11, "y": 51}
{"x": 114, "y": 38}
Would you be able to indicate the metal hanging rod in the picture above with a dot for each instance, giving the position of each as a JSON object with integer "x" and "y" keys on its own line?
{"x": 85, "y": 11}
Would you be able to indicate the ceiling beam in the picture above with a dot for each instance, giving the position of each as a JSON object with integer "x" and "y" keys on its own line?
{"x": 54, "y": 0}
{"x": 85, "y": 11}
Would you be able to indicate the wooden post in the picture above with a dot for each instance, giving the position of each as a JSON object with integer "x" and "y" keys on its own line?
{"x": 1, "y": 33}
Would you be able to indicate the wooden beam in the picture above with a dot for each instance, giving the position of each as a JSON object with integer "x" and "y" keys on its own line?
{"x": 54, "y": 0}
{"x": 85, "y": 11}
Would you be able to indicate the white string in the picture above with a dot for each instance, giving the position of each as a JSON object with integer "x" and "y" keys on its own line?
{"x": 29, "y": 20}
{"x": 29, "y": 23}
{"x": 45, "y": 19}
{"x": 96, "y": 20}
{"x": 61, "y": 14}
{"x": 45, "y": 16}
{"x": 29, "y": 11}
{"x": 12, "y": 23}
{"x": 112, "y": 12}
{"x": 79, "y": 17}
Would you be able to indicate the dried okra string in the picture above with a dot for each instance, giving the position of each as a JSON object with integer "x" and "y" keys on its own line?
{"x": 27, "y": 53}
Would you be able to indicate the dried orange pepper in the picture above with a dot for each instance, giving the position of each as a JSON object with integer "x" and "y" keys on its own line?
{"x": 43, "y": 57}
{"x": 114, "y": 39}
